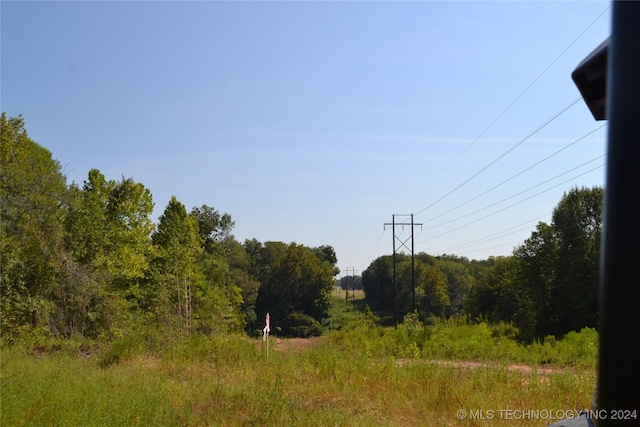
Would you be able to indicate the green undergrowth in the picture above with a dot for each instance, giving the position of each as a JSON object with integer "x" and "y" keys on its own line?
{"x": 460, "y": 340}
{"x": 231, "y": 381}
{"x": 358, "y": 374}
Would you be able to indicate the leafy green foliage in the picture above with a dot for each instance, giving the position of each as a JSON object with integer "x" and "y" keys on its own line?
{"x": 109, "y": 241}
{"x": 424, "y": 278}
{"x": 548, "y": 287}
{"x": 556, "y": 279}
{"x": 296, "y": 286}
{"x": 212, "y": 226}
{"x": 178, "y": 247}
{"x": 88, "y": 261}
{"x": 228, "y": 381}
{"x": 377, "y": 281}
{"x": 456, "y": 339}
{"x": 32, "y": 191}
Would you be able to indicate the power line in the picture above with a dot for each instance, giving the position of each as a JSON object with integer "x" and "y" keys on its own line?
{"x": 539, "y": 128}
{"x": 517, "y": 175}
{"x": 514, "y": 242}
{"x": 495, "y": 246}
{"x": 503, "y": 112}
{"x": 498, "y": 235}
{"x": 372, "y": 249}
{"x": 485, "y": 130}
{"x": 523, "y": 191}
{"x": 512, "y": 205}
{"x": 503, "y": 200}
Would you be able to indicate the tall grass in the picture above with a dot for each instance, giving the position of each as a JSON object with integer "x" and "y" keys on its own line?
{"x": 359, "y": 375}
{"x": 230, "y": 382}
{"x": 456, "y": 339}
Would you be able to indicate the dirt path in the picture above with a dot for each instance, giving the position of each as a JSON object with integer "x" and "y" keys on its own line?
{"x": 301, "y": 344}
{"x": 294, "y": 344}
{"x": 513, "y": 367}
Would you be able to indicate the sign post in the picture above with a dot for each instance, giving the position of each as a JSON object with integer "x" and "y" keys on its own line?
{"x": 265, "y": 332}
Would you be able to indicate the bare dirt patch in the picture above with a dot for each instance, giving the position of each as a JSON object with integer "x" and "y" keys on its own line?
{"x": 522, "y": 369}
{"x": 293, "y": 344}
{"x": 301, "y": 344}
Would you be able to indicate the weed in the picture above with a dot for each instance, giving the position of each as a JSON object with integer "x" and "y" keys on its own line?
{"x": 359, "y": 375}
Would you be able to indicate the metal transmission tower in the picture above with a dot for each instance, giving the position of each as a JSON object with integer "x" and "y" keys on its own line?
{"x": 403, "y": 243}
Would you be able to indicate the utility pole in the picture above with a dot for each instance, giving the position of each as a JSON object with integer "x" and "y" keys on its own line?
{"x": 413, "y": 269}
{"x": 403, "y": 243}
{"x": 353, "y": 284}
{"x": 346, "y": 285}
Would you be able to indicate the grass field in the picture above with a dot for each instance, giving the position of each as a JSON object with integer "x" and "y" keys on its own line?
{"x": 358, "y": 375}
{"x": 339, "y": 293}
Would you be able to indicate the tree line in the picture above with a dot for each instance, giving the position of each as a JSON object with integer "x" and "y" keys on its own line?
{"x": 547, "y": 287}
{"x": 87, "y": 260}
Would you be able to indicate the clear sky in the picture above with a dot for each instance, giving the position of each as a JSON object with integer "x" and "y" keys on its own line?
{"x": 315, "y": 121}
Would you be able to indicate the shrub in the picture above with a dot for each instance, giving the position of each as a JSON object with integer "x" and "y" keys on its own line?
{"x": 120, "y": 349}
{"x": 301, "y": 325}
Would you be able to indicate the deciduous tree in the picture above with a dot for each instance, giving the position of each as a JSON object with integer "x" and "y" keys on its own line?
{"x": 32, "y": 193}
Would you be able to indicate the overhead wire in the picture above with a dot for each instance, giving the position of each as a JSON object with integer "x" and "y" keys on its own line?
{"x": 447, "y": 166}
{"x": 372, "y": 249}
{"x": 363, "y": 265}
{"x": 500, "y": 234}
{"x": 516, "y": 175}
{"x": 486, "y": 129}
{"x": 517, "y": 194}
{"x": 538, "y": 129}
{"x": 520, "y": 242}
{"x": 514, "y": 204}
{"x": 514, "y": 242}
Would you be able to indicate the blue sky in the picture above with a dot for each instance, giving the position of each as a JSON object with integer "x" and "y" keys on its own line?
{"x": 315, "y": 121}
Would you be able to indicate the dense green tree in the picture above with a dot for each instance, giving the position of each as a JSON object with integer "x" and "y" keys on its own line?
{"x": 435, "y": 299}
{"x": 195, "y": 289}
{"x": 458, "y": 279}
{"x": 550, "y": 284}
{"x": 87, "y": 220}
{"x": 295, "y": 286}
{"x": 377, "y": 281}
{"x": 249, "y": 287}
{"x": 327, "y": 254}
{"x": 535, "y": 263}
{"x": 351, "y": 282}
{"x": 178, "y": 245}
{"x": 239, "y": 261}
{"x": 577, "y": 222}
{"x": 110, "y": 229}
{"x": 213, "y": 227}
{"x": 492, "y": 296}
{"x": 556, "y": 280}
{"x": 263, "y": 257}
{"x": 432, "y": 276}
{"x": 86, "y": 259}
{"x": 230, "y": 292}
{"x": 32, "y": 193}
{"x": 431, "y": 294}
{"x": 109, "y": 239}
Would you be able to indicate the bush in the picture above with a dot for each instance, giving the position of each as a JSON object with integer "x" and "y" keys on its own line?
{"x": 300, "y": 325}
{"x": 120, "y": 349}
{"x": 215, "y": 349}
